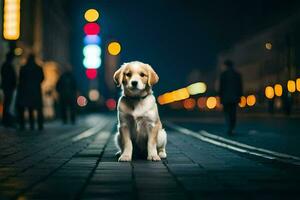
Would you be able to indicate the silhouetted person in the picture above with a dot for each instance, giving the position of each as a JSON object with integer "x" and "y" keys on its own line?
{"x": 231, "y": 90}
{"x": 9, "y": 82}
{"x": 287, "y": 102}
{"x": 67, "y": 89}
{"x": 29, "y": 94}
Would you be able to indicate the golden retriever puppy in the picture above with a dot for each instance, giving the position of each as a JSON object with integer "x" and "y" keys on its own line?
{"x": 139, "y": 127}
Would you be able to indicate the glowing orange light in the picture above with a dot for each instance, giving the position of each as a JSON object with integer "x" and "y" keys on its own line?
{"x": 176, "y": 95}
{"x": 278, "y": 90}
{"x": 291, "y": 86}
{"x": 243, "y": 102}
{"x": 251, "y": 100}
{"x": 211, "y": 102}
{"x": 189, "y": 103}
{"x": 298, "y": 84}
{"x": 269, "y": 92}
{"x": 114, "y": 48}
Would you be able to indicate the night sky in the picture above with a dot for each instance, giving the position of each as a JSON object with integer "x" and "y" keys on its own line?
{"x": 176, "y": 37}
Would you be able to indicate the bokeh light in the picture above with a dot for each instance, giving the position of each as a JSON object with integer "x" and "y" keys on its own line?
{"x": 176, "y": 95}
{"x": 269, "y": 92}
{"x": 91, "y": 15}
{"x": 201, "y": 102}
{"x": 11, "y": 19}
{"x": 291, "y": 86}
{"x": 92, "y": 39}
{"x": 18, "y": 51}
{"x": 111, "y": 104}
{"x": 243, "y": 102}
{"x": 189, "y": 103}
{"x": 92, "y": 50}
{"x": 114, "y": 48}
{"x": 197, "y": 88}
{"x": 91, "y": 29}
{"x": 268, "y": 45}
{"x": 211, "y": 102}
{"x": 251, "y": 100}
{"x": 298, "y": 84}
{"x": 81, "y": 101}
{"x": 91, "y": 73}
{"x": 278, "y": 90}
{"x": 94, "y": 95}
{"x": 92, "y": 62}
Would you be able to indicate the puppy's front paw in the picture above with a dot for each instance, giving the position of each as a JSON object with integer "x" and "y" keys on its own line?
{"x": 153, "y": 157}
{"x": 162, "y": 154}
{"x": 124, "y": 158}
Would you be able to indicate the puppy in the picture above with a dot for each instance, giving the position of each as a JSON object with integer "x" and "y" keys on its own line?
{"x": 139, "y": 126}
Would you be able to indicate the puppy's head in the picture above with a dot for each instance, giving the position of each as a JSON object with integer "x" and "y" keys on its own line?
{"x": 135, "y": 78}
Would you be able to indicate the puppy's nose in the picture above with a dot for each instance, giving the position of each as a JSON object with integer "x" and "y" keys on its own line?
{"x": 134, "y": 83}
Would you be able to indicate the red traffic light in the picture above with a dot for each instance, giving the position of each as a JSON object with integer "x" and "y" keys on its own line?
{"x": 91, "y": 29}
{"x": 91, "y": 73}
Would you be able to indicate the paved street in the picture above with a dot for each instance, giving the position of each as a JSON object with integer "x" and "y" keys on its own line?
{"x": 78, "y": 162}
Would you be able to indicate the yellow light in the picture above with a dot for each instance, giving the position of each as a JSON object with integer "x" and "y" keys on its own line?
{"x": 18, "y": 51}
{"x": 189, "y": 103}
{"x": 211, "y": 102}
{"x": 269, "y": 92}
{"x": 268, "y": 45}
{"x": 91, "y": 15}
{"x": 11, "y": 19}
{"x": 243, "y": 102}
{"x": 114, "y": 48}
{"x": 298, "y": 84}
{"x": 94, "y": 95}
{"x": 291, "y": 86}
{"x": 278, "y": 90}
{"x": 176, "y": 95}
{"x": 251, "y": 100}
{"x": 196, "y": 88}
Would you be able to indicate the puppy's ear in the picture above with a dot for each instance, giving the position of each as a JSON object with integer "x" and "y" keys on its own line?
{"x": 118, "y": 75}
{"x": 153, "y": 77}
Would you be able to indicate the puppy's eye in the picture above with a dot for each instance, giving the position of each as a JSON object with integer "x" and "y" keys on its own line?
{"x": 128, "y": 74}
{"x": 142, "y": 74}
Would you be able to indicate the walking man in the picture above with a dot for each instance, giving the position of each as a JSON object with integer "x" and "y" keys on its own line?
{"x": 29, "y": 94}
{"x": 9, "y": 82}
{"x": 67, "y": 89}
{"x": 230, "y": 90}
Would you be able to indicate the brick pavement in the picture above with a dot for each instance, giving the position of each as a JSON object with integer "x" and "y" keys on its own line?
{"x": 54, "y": 165}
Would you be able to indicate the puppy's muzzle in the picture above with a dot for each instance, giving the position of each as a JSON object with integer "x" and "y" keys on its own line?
{"x": 134, "y": 84}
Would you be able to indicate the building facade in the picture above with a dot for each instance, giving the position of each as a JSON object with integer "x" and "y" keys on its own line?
{"x": 45, "y": 31}
{"x": 269, "y": 57}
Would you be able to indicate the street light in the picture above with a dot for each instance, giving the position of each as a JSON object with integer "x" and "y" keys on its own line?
{"x": 269, "y": 92}
{"x": 278, "y": 90}
{"x": 268, "y": 45}
{"x": 114, "y": 48}
{"x": 251, "y": 100}
{"x": 11, "y": 19}
{"x": 291, "y": 86}
{"x": 298, "y": 84}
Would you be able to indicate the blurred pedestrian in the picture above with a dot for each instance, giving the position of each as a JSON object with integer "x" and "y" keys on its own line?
{"x": 67, "y": 90}
{"x": 230, "y": 90}
{"x": 29, "y": 94}
{"x": 9, "y": 82}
